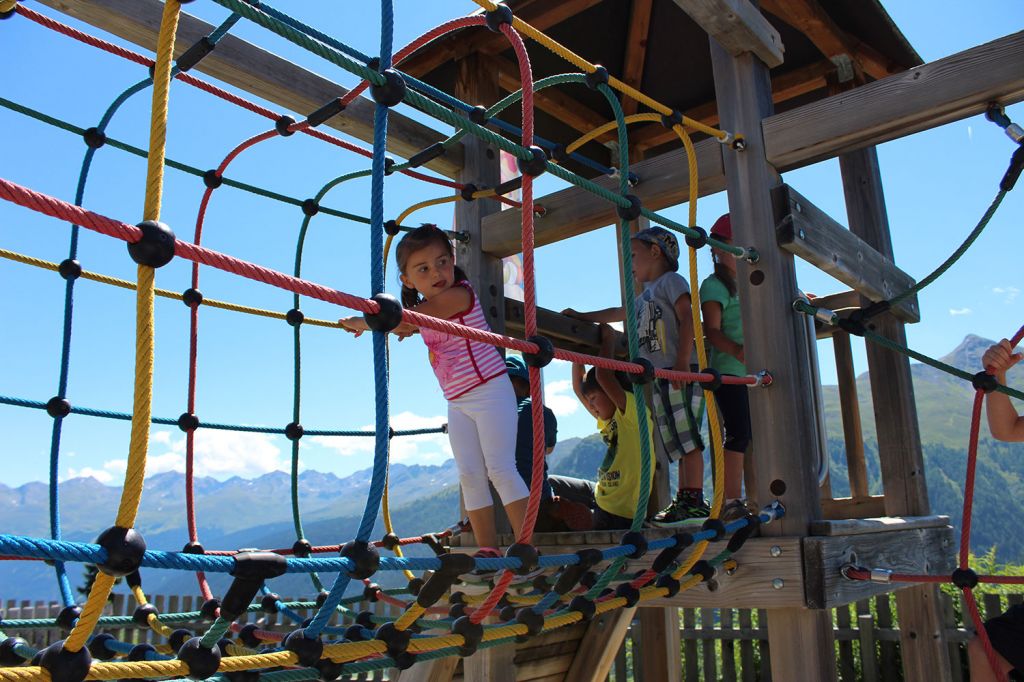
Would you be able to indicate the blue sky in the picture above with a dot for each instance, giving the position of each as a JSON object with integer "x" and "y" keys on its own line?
{"x": 937, "y": 185}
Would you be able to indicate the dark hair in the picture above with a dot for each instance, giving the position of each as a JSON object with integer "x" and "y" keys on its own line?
{"x": 726, "y": 278}
{"x": 422, "y": 237}
{"x": 591, "y": 384}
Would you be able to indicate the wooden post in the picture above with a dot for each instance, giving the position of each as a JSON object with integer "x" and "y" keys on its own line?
{"x": 784, "y": 425}
{"x": 660, "y": 645}
{"x": 922, "y": 638}
{"x": 850, "y": 410}
{"x": 600, "y": 643}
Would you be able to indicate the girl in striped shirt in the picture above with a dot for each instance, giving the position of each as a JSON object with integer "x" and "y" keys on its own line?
{"x": 482, "y": 415}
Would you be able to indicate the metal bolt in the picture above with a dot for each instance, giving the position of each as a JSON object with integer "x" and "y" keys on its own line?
{"x": 775, "y": 551}
{"x": 798, "y": 208}
{"x": 803, "y": 235}
{"x": 778, "y": 583}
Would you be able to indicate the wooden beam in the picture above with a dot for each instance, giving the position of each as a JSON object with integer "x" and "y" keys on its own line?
{"x": 600, "y": 645}
{"x": 849, "y": 409}
{"x": 924, "y": 97}
{"x": 261, "y": 73}
{"x": 437, "y": 670}
{"x": 853, "y": 507}
{"x": 492, "y": 664}
{"x": 806, "y": 231}
{"x": 738, "y": 26}
{"x": 911, "y": 550}
{"x": 660, "y": 645}
{"x": 882, "y": 524}
{"x": 573, "y": 211}
{"x": 636, "y": 51}
{"x": 565, "y": 332}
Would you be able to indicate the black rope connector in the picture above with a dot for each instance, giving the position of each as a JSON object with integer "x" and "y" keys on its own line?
{"x": 94, "y": 138}
{"x": 646, "y": 376}
{"x": 65, "y": 665}
{"x": 283, "y": 126}
{"x": 669, "y": 555}
{"x": 248, "y": 636}
{"x": 188, "y": 422}
{"x": 631, "y": 212}
{"x": 388, "y": 316}
{"x": 632, "y": 179}
{"x": 329, "y": 670}
{"x": 527, "y": 554}
{"x": 983, "y": 381}
{"x": 241, "y": 675}
{"x": 307, "y": 650}
{"x": 545, "y": 352}
{"x": 715, "y": 526}
{"x": 712, "y": 384}
{"x": 371, "y": 592}
{"x": 142, "y": 613}
{"x": 98, "y": 648}
{"x": 573, "y": 574}
{"x": 155, "y": 247}
{"x": 471, "y": 633}
{"x": 1014, "y": 171}
{"x": 498, "y": 17}
{"x": 637, "y": 540}
{"x": 178, "y": 638}
{"x": 629, "y": 593}
{"x": 364, "y": 557}
{"x": 391, "y": 228}
{"x": 558, "y": 153}
{"x": 201, "y": 662}
{"x": 58, "y": 407}
{"x": 391, "y": 91}
{"x": 854, "y": 324}
{"x": 210, "y": 609}
{"x": 140, "y": 652}
{"x": 268, "y": 604}
{"x": 321, "y": 598}
{"x": 452, "y": 566}
{"x": 355, "y": 633}
{"x": 533, "y": 621}
{"x": 250, "y": 570}
{"x": 294, "y": 317}
{"x": 536, "y": 164}
{"x": 599, "y": 76}
{"x": 327, "y": 111}
{"x": 70, "y": 269}
{"x": 672, "y": 120}
{"x": 670, "y": 584}
{"x": 742, "y": 535}
{"x": 415, "y": 586}
{"x": 212, "y": 179}
{"x": 699, "y": 241}
{"x": 134, "y": 579}
{"x": 478, "y": 115}
{"x": 195, "y": 53}
{"x": 588, "y": 579}
{"x": 704, "y": 569}
{"x": 67, "y": 616}
{"x": 873, "y": 310}
{"x": 390, "y": 541}
{"x": 964, "y": 578}
{"x": 310, "y": 207}
{"x": 427, "y": 154}
{"x": 192, "y": 298}
{"x": 193, "y": 548}
{"x": 389, "y": 165}
{"x": 507, "y": 613}
{"x": 585, "y": 607}
{"x": 467, "y": 192}
{"x": 302, "y": 549}
{"x": 509, "y": 186}
{"x": 397, "y": 641}
{"x": 434, "y": 543}
{"x": 125, "y": 548}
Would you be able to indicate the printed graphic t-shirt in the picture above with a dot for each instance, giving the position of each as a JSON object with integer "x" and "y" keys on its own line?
{"x": 656, "y": 321}
{"x": 618, "y": 478}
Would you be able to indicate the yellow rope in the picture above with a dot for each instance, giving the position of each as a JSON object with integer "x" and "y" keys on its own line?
{"x": 409, "y": 617}
{"x": 611, "y": 125}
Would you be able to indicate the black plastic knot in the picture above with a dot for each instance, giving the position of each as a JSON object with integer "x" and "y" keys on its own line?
{"x": 294, "y": 317}
{"x": 268, "y": 604}
{"x": 585, "y": 607}
{"x": 527, "y": 554}
{"x": 715, "y": 526}
{"x": 210, "y": 609}
{"x": 329, "y": 670}
{"x": 983, "y": 381}
{"x": 415, "y": 585}
{"x": 364, "y": 557}
{"x": 212, "y": 179}
{"x": 397, "y": 641}
{"x": 125, "y": 548}
{"x": 637, "y": 540}
{"x": 714, "y": 382}
{"x": 498, "y": 17}
{"x": 58, "y": 407}
{"x": 307, "y": 650}
{"x": 388, "y": 316}
{"x": 668, "y": 555}
{"x": 97, "y": 648}
{"x": 699, "y": 241}
{"x": 629, "y": 593}
{"x": 188, "y": 422}
{"x": 65, "y": 620}
{"x": 201, "y": 662}
{"x": 631, "y": 212}
{"x": 142, "y": 613}
{"x": 356, "y": 633}
{"x": 248, "y": 636}
{"x": 478, "y": 115}
{"x": 327, "y": 111}
{"x": 390, "y": 541}
{"x": 964, "y": 578}
{"x": 64, "y": 665}
{"x": 599, "y": 76}
{"x": 670, "y": 584}
{"x": 94, "y": 138}
{"x": 533, "y": 621}
{"x": 427, "y": 154}
{"x": 195, "y": 53}
{"x": 177, "y": 639}
{"x": 302, "y": 548}
{"x": 140, "y": 652}
{"x": 646, "y": 376}
{"x": 391, "y": 228}
{"x": 703, "y": 569}
{"x": 70, "y": 269}
{"x": 672, "y": 120}
{"x": 559, "y": 153}
{"x": 389, "y": 165}
{"x": 391, "y": 91}
{"x": 293, "y": 431}
{"x": 371, "y": 592}
{"x": 155, "y": 247}
{"x": 321, "y": 598}
{"x": 467, "y": 192}
{"x": 192, "y": 298}
{"x": 283, "y": 126}
{"x": 471, "y": 633}
{"x": 535, "y": 165}
{"x": 588, "y": 579}
{"x": 310, "y": 207}
{"x": 544, "y": 354}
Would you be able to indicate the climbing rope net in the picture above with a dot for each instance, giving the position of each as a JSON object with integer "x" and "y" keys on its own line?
{"x": 575, "y": 587}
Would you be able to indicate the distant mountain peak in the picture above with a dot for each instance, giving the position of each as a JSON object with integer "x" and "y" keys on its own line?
{"x": 968, "y": 354}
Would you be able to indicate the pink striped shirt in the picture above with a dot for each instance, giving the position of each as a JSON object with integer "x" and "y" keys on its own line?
{"x": 460, "y": 364}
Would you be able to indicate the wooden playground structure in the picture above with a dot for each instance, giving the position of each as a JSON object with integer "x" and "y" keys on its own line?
{"x": 803, "y": 81}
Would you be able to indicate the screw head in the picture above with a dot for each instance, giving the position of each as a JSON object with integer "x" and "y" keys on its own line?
{"x": 775, "y": 551}
{"x": 778, "y": 583}
{"x": 803, "y": 235}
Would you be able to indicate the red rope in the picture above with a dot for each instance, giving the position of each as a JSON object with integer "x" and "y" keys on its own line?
{"x": 986, "y": 643}
{"x": 972, "y": 458}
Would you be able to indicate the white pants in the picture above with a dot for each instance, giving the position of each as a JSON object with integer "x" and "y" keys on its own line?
{"x": 482, "y": 430}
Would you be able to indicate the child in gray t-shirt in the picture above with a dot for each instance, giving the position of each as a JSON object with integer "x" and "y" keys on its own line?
{"x": 665, "y": 330}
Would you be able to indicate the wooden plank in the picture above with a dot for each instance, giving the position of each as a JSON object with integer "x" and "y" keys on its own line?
{"x": 922, "y": 98}
{"x": 709, "y": 657}
{"x": 806, "y": 231}
{"x": 540, "y": 669}
{"x": 690, "y": 647}
{"x": 659, "y": 646}
{"x": 853, "y": 507}
{"x": 917, "y": 550}
{"x": 636, "y": 51}
{"x": 746, "y": 647}
{"x": 738, "y": 26}
{"x": 633, "y": 641}
{"x": 261, "y": 73}
{"x": 884, "y": 524}
{"x": 620, "y": 665}
{"x": 599, "y": 645}
{"x": 845, "y": 646}
{"x": 849, "y": 407}
{"x": 866, "y": 636}
{"x": 888, "y": 652}
{"x": 573, "y": 211}
{"x": 437, "y": 670}
{"x": 728, "y": 645}
{"x": 565, "y": 332}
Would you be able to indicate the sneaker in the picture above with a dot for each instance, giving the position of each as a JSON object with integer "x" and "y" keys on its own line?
{"x": 575, "y": 516}
{"x": 481, "y": 575}
{"x": 686, "y": 508}
{"x": 737, "y": 509}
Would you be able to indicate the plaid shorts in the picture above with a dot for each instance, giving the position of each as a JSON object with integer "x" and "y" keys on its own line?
{"x": 678, "y": 413}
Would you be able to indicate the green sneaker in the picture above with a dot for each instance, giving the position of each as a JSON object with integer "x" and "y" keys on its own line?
{"x": 687, "y": 508}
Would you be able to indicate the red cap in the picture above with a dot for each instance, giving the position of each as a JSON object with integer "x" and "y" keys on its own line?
{"x": 722, "y": 228}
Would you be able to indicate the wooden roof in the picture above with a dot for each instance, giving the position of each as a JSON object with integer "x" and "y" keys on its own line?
{"x": 655, "y": 46}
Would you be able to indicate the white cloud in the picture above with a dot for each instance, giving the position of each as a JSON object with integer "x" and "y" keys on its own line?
{"x": 559, "y": 397}
{"x": 430, "y": 448}
{"x": 86, "y": 472}
{"x": 955, "y": 312}
{"x": 1009, "y": 294}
